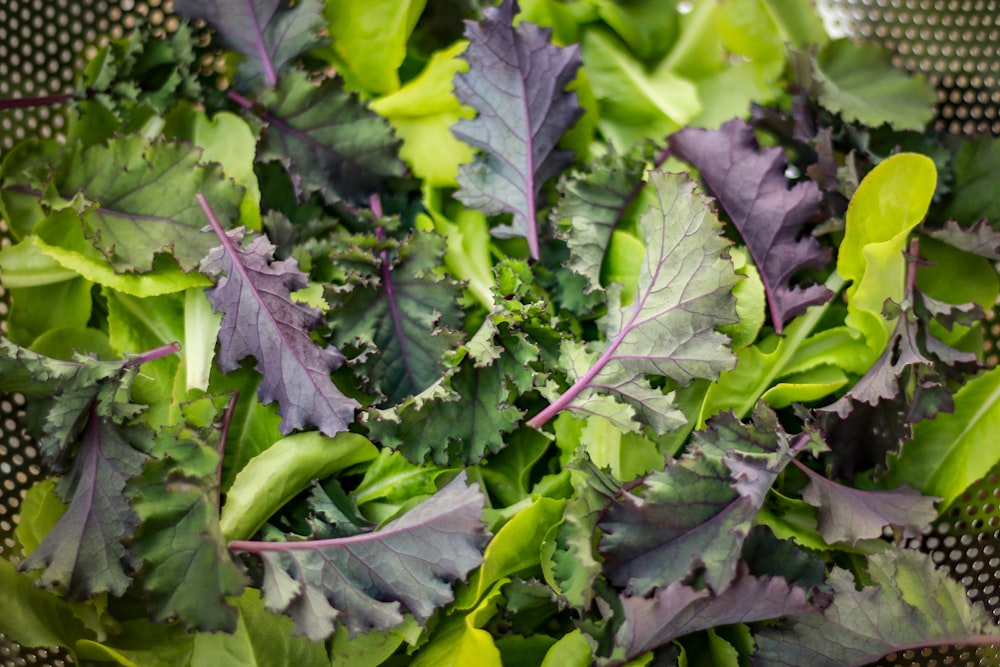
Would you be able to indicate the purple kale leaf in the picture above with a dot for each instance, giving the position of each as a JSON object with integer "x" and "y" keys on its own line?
{"x": 848, "y": 515}
{"x": 915, "y": 358}
{"x": 83, "y": 554}
{"x": 905, "y": 603}
{"x": 404, "y": 315}
{"x": 677, "y": 610}
{"x": 327, "y": 139}
{"x": 369, "y": 581}
{"x": 750, "y": 184}
{"x": 269, "y": 33}
{"x": 689, "y": 521}
{"x": 260, "y": 319}
{"x": 516, "y": 82}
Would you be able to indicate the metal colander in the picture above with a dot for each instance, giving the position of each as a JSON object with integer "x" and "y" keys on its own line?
{"x": 954, "y": 43}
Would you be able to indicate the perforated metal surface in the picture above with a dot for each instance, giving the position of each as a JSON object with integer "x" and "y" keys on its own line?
{"x": 955, "y": 43}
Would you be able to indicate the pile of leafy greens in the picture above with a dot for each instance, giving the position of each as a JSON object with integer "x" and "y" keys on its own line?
{"x": 581, "y": 332}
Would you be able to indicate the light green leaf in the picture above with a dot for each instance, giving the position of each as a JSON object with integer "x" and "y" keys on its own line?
{"x": 750, "y": 301}
{"x": 978, "y": 283}
{"x": 369, "y": 39}
{"x": 373, "y": 648}
{"x": 891, "y": 200}
{"x": 467, "y": 243}
{"x": 262, "y": 639}
{"x": 628, "y": 455}
{"x": 64, "y": 342}
{"x": 798, "y": 21}
{"x": 515, "y": 548}
{"x": 279, "y": 473}
{"x": 254, "y": 426}
{"x": 224, "y": 138}
{"x": 806, "y": 387}
{"x": 951, "y": 451}
{"x": 136, "y": 325}
{"x": 34, "y": 617}
{"x": 25, "y": 265}
{"x": 36, "y": 310}
{"x": 570, "y": 650}
{"x": 507, "y": 475}
{"x": 647, "y": 26}
{"x": 858, "y": 80}
{"x": 459, "y": 641}
{"x": 422, "y": 113}
{"x": 60, "y": 237}
{"x": 201, "y": 331}
{"x": 620, "y": 265}
{"x": 390, "y": 477}
{"x": 41, "y": 508}
{"x": 140, "y": 644}
{"x": 635, "y": 103}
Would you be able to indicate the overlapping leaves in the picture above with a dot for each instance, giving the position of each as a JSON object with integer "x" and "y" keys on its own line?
{"x": 402, "y": 315}
{"x": 118, "y": 189}
{"x": 688, "y": 522}
{"x": 751, "y": 186}
{"x": 327, "y": 139}
{"x": 684, "y": 294}
{"x": 260, "y": 319}
{"x": 370, "y": 580}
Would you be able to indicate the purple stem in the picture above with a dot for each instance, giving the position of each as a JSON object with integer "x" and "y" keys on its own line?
{"x": 239, "y": 99}
{"x": 566, "y": 399}
{"x": 386, "y": 271}
{"x": 44, "y": 101}
{"x": 154, "y": 354}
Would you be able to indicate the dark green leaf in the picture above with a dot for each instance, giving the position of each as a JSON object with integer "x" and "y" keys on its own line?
{"x": 465, "y": 415}
{"x": 187, "y": 570}
{"x": 328, "y": 140}
{"x": 858, "y": 80}
{"x": 84, "y": 554}
{"x": 407, "y": 317}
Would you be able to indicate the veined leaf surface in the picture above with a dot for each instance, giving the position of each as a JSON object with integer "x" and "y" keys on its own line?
{"x": 516, "y": 81}
{"x": 261, "y": 320}
{"x": 268, "y": 33}
{"x": 684, "y": 294}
